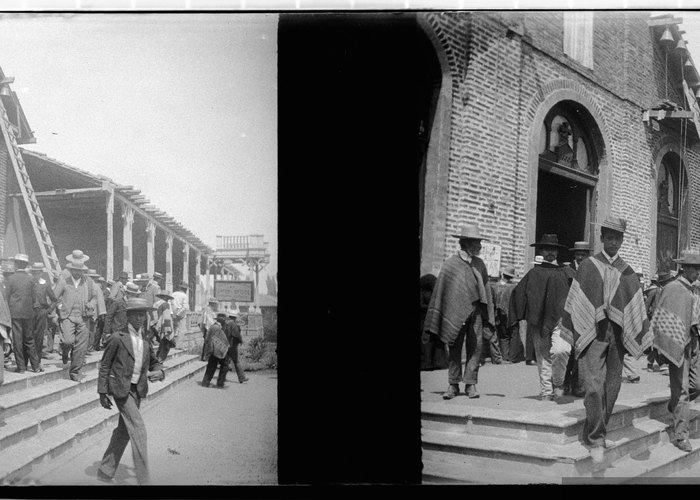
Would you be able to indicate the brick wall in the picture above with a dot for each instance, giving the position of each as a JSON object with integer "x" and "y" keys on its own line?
{"x": 500, "y": 84}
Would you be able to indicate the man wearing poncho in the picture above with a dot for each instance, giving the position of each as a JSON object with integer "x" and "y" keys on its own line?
{"x": 458, "y": 309}
{"x": 604, "y": 317}
{"x": 675, "y": 327}
{"x": 539, "y": 299}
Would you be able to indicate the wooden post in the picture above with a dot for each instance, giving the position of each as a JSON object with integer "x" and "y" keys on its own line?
{"x": 186, "y": 266}
{"x": 197, "y": 274}
{"x": 207, "y": 288}
{"x": 110, "y": 234}
{"x": 150, "y": 247}
{"x": 128, "y": 224}
{"x": 169, "y": 261}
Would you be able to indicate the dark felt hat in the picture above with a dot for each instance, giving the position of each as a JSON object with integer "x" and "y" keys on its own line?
{"x": 548, "y": 240}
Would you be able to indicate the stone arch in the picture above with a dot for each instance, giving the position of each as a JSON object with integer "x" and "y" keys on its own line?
{"x": 550, "y": 94}
{"x": 434, "y": 235}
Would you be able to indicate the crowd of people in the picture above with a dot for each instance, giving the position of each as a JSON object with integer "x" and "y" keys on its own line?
{"x": 79, "y": 313}
{"x": 584, "y": 323}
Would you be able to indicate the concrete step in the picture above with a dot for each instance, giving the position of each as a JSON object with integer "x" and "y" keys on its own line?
{"x": 42, "y": 444}
{"x": 54, "y": 370}
{"x": 537, "y": 459}
{"x": 37, "y": 397}
{"x": 557, "y": 426}
{"x": 439, "y": 472}
{"x": 18, "y": 425}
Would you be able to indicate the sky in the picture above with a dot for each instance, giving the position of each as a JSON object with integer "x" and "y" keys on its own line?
{"x": 181, "y": 106}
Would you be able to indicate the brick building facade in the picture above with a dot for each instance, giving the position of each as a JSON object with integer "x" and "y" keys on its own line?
{"x": 500, "y": 153}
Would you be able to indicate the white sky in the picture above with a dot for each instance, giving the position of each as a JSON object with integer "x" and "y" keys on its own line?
{"x": 182, "y": 106}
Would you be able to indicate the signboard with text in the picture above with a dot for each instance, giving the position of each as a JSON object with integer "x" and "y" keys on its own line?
{"x": 491, "y": 255}
{"x": 234, "y": 291}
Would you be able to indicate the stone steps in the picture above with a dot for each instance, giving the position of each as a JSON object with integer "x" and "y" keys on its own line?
{"x": 48, "y": 418}
{"x": 548, "y": 427}
{"x": 468, "y": 444}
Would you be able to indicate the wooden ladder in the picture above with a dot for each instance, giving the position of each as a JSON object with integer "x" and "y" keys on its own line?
{"x": 41, "y": 232}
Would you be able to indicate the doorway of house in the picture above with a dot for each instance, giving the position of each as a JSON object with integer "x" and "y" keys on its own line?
{"x": 562, "y": 208}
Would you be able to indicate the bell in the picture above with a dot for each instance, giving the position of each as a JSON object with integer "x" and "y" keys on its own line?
{"x": 667, "y": 38}
{"x": 5, "y": 90}
{"x": 688, "y": 64}
{"x": 681, "y": 45}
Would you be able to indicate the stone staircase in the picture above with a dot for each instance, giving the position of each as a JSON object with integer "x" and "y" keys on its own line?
{"x": 465, "y": 443}
{"x": 43, "y": 415}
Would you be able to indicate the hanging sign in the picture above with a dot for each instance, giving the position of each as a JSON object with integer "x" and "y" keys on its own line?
{"x": 491, "y": 255}
{"x": 693, "y": 106}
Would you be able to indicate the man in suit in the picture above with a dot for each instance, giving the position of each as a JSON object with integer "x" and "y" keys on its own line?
{"x": 100, "y": 311}
{"x": 117, "y": 289}
{"x": 44, "y": 304}
{"x": 77, "y": 302}
{"x": 128, "y": 363}
{"x": 233, "y": 334}
{"x": 459, "y": 309}
{"x": 20, "y": 299}
{"x": 116, "y": 315}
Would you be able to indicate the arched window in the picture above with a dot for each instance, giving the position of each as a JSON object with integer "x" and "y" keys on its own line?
{"x": 672, "y": 211}
{"x": 566, "y": 142}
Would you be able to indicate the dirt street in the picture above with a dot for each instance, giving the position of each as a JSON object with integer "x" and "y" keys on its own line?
{"x": 196, "y": 435}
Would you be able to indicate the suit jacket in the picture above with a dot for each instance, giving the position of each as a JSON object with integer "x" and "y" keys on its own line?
{"x": 118, "y": 363}
{"x": 20, "y": 295}
{"x": 115, "y": 321}
{"x": 85, "y": 297}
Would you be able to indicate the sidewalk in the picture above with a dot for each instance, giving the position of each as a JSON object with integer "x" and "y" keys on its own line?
{"x": 196, "y": 435}
{"x": 516, "y": 387}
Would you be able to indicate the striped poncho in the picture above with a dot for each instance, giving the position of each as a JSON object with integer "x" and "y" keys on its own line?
{"x": 603, "y": 290}
{"x": 677, "y": 311}
{"x": 458, "y": 291}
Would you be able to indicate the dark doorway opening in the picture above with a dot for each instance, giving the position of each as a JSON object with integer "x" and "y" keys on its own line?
{"x": 562, "y": 206}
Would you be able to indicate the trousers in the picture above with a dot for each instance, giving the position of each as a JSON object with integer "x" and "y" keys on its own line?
{"x": 233, "y": 354}
{"x": 211, "y": 368}
{"x": 131, "y": 428}
{"x": 23, "y": 343}
{"x": 470, "y": 336}
{"x": 74, "y": 338}
{"x": 684, "y": 383}
{"x": 600, "y": 367}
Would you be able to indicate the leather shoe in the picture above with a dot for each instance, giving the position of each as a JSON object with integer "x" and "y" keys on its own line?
{"x": 683, "y": 444}
{"x": 19, "y": 370}
{"x": 579, "y": 393}
{"x": 103, "y": 477}
{"x": 634, "y": 380}
{"x": 558, "y": 392}
{"x": 471, "y": 391}
{"x": 546, "y": 397}
{"x": 531, "y": 362}
{"x": 598, "y": 454}
{"x": 38, "y": 369}
{"x": 77, "y": 377}
{"x": 451, "y": 392}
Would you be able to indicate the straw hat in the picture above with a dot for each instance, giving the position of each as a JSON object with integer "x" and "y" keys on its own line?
{"x": 510, "y": 271}
{"x": 165, "y": 295}
{"x": 21, "y": 257}
{"x": 77, "y": 255}
{"x": 92, "y": 273}
{"x": 137, "y": 304}
{"x": 76, "y": 265}
{"x": 614, "y": 223}
{"x": 37, "y": 267}
{"x": 132, "y": 288}
{"x": 689, "y": 258}
{"x": 581, "y": 246}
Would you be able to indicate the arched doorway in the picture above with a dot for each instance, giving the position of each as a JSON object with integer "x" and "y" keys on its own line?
{"x": 672, "y": 208}
{"x": 568, "y": 168}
